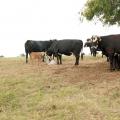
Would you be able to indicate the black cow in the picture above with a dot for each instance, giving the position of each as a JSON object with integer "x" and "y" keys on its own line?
{"x": 93, "y": 49}
{"x": 36, "y": 46}
{"x": 66, "y": 47}
{"x": 110, "y": 46}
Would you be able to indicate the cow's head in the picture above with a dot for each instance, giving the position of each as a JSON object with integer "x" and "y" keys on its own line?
{"x": 51, "y": 49}
{"x": 49, "y": 53}
{"x": 88, "y": 43}
{"x": 95, "y": 40}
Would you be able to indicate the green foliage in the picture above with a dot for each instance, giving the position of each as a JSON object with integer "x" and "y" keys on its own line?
{"x": 107, "y": 11}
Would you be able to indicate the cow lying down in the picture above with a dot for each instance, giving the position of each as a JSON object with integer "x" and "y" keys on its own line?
{"x": 52, "y": 62}
{"x": 49, "y": 60}
{"x": 39, "y": 57}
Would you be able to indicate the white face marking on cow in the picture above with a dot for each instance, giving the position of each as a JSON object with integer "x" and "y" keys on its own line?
{"x": 94, "y": 38}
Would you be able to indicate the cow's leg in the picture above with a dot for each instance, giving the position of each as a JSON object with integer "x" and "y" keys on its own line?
{"x": 94, "y": 54}
{"x": 115, "y": 62}
{"x": 118, "y": 61}
{"x": 91, "y": 51}
{"x": 102, "y": 55}
{"x": 107, "y": 59}
{"x": 60, "y": 58}
{"x": 77, "y": 59}
{"x": 49, "y": 58}
{"x": 43, "y": 58}
{"x": 111, "y": 58}
{"x": 26, "y": 57}
{"x": 57, "y": 59}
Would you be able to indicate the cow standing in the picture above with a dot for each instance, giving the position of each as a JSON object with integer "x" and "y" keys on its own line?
{"x": 110, "y": 46}
{"x": 93, "y": 49}
{"x": 36, "y": 46}
{"x": 66, "y": 47}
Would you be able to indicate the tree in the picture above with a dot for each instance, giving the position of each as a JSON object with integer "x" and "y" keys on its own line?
{"x": 107, "y": 11}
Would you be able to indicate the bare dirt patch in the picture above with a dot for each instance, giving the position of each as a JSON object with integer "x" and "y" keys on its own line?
{"x": 88, "y": 70}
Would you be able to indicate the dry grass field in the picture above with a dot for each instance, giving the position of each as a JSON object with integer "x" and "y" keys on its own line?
{"x": 59, "y": 92}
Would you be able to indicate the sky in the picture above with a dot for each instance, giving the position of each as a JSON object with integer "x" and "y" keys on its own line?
{"x": 22, "y": 20}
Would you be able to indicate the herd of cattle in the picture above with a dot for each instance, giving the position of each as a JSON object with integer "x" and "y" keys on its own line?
{"x": 109, "y": 45}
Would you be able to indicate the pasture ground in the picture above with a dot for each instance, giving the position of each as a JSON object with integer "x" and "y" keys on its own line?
{"x": 59, "y": 92}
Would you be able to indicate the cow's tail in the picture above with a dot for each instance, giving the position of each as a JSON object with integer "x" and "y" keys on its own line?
{"x": 26, "y": 50}
{"x": 26, "y": 55}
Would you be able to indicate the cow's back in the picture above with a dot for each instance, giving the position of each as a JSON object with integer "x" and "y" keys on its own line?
{"x": 111, "y": 41}
{"x": 110, "y": 44}
{"x": 69, "y": 44}
{"x": 36, "y": 46}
